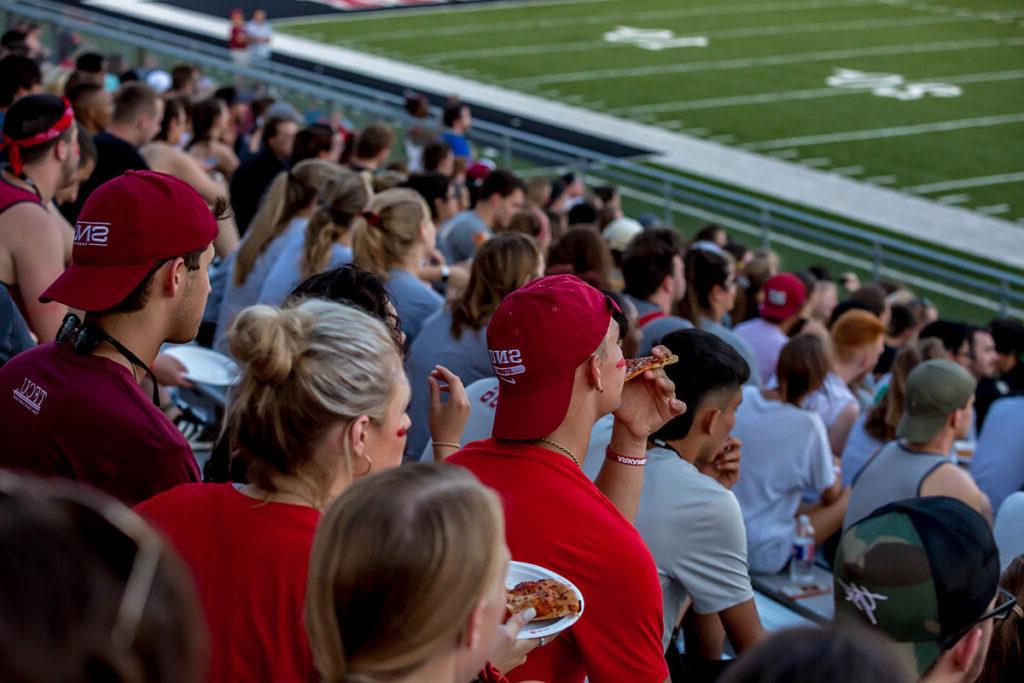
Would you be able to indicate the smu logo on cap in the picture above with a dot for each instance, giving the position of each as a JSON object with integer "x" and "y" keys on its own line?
{"x": 777, "y": 297}
{"x": 507, "y": 363}
{"x": 92, "y": 234}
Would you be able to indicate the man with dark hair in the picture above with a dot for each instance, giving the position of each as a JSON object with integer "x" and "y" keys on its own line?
{"x": 93, "y": 105}
{"x": 652, "y": 268}
{"x": 254, "y": 175}
{"x": 501, "y": 195}
{"x": 75, "y": 408}
{"x": 688, "y": 515}
{"x": 372, "y": 148}
{"x": 41, "y": 139}
{"x": 184, "y": 80}
{"x": 457, "y": 121}
{"x": 925, "y": 572}
{"x": 438, "y": 191}
{"x": 955, "y": 338}
{"x": 438, "y": 158}
{"x": 19, "y": 76}
{"x": 138, "y": 112}
{"x": 91, "y": 62}
{"x": 874, "y": 299}
{"x": 904, "y": 324}
{"x": 983, "y": 365}
{"x": 316, "y": 141}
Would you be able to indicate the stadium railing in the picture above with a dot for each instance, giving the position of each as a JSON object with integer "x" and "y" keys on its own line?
{"x": 991, "y": 285}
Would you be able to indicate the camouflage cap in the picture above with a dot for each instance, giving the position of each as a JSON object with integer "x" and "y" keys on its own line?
{"x": 919, "y": 570}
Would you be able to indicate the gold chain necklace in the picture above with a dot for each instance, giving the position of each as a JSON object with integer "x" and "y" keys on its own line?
{"x": 563, "y": 449}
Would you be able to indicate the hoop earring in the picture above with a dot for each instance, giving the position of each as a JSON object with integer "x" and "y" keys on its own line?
{"x": 369, "y": 465}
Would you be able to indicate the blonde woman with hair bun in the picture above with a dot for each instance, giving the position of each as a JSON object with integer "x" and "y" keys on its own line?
{"x": 391, "y": 239}
{"x": 407, "y": 582}
{"x": 320, "y": 403}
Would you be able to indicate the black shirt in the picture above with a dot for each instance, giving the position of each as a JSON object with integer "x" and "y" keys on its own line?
{"x": 250, "y": 181}
{"x": 114, "y": 156}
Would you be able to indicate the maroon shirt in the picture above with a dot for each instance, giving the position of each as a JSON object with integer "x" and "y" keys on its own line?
{"x": 86, "y": 418}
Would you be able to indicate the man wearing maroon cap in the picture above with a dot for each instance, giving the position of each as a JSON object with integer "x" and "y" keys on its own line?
{"x": 553, "y": 346}
{"x": 784, "y": 297}
{"x": 74, "y": 408}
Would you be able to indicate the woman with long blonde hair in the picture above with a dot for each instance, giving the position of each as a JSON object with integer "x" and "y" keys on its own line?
{"x": 391, "y": 239}
{"x": 326, "y": 242}
{"x": 286, "y": 209}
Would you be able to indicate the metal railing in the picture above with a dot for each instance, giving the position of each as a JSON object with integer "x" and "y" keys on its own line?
{"x": 996, "y": 287}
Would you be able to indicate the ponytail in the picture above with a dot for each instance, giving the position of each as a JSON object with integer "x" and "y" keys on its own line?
{"x": 341, "y": 201}
{"x": 384, "y": 235}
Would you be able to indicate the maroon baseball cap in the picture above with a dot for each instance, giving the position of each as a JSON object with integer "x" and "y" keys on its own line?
{"x": 784, "y": 295}
{"x": 126, "y": 227}
{"x": 536, "y": 339}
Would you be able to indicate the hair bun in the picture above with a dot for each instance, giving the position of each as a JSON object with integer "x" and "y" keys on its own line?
{"x": 267, "y": 342}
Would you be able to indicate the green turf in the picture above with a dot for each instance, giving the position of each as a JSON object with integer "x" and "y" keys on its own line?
{"x": 771, "y": 58}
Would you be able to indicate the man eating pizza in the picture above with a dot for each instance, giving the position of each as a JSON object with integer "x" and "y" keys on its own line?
{"x": 553, "y": 345}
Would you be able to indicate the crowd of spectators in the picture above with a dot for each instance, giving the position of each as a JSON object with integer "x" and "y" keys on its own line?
{"x": 431, "y": 356}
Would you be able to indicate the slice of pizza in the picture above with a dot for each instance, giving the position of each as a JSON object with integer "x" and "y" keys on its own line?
{"x": 552, "y": 599}
{"x": 638, "y": 366}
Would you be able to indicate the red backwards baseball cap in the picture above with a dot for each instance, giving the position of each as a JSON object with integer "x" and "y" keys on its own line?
{"x": 536, "y": 339}
{"x": 784, "y": 295}
{"x": 126, "y": 227}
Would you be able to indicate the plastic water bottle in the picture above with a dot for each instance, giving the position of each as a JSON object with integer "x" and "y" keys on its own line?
{"x": 802, "y": 561}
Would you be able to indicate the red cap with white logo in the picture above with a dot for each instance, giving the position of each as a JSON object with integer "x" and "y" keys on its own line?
{"x": 126, "y": 227}
{"x": 536, "y": 339}
{"x": 784, "y": 296}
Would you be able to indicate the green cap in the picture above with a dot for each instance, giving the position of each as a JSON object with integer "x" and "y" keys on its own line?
{"x": 935, "y": 388}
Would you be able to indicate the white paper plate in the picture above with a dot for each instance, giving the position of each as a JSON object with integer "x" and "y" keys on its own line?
{"x": 541, "y": 628}
{"x": 203, "y": 365}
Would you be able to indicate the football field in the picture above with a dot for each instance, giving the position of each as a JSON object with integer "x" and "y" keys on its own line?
{"x": 926, "y": 96}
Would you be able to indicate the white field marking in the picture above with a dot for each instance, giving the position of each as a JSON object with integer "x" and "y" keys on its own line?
{"x": 785, "y": 153}
{"x": 891, "y": 132}
{"x": 770, "y": 60}
{"x": 849, "y": 170}
{"x": 430, "y": 9}
{"x": 725, "y": 34}
{"x": 801, "y": 245}
{"x": 810, "y": 94}
{"x": 881, "y": 180}
{"x": 994, "y": 209}
{"x": 948, "y": 199}
{"x": 978, "y": 181}
{"x": 817, "y": 162}
{"x": 609, "y": 19}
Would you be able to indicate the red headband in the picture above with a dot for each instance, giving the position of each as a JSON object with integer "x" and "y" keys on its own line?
{"x": 14, "y": 147}
{"x": 373, "y": 219}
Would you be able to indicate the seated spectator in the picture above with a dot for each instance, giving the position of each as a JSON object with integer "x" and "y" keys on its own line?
{"x": 998, "y": 463}
{"x": 710, "y": 295}
{"x": 619, "y": 233}
{"x": 93, "y": 105}
{"x": 582, "y": 213}
{"x": 500, "y": 196}
{"x": 532, "y": 222}
{"x": 254, "y": 175}
{"x": 325, "y": 243}
{"x": 68, "y": 193}
{"x": 142, "y": 281}
{"x": 784, "y": 297}
{"x": 14, "y": 334}
{"x": 316, "y": 141}
{"x": 1005, "y": 661}
{"x": 42, "y": 140}
{"x": 457, "y": 121}
{"x": 582, "y": 252}
{"x": 320, "y": 403}
{"x": 937, "y": 410}
{"x": 877, "y": 427}
{"x": 554, "y": 516}
{"x": 904, "y": 325}
{"x": 427, "y": 540}
{"x": 857, "y": 340}
{"x": 391, "y": 240}
{"x": 437, "y": 158}
{"x": 185, "y": 80}
{"x": 138, "y": 112}
{"x": 955, "y": 338}
{"x": 873, "y": 298}
{"x": 785, "y": 454}
{"x": 439, "y": 192}
{"x": 924, "y": 572}
{"x": 686, "y": 495}
{"x": 210, "y": 118}
{"x": 289, "y": 203}
{"x": 823, "y": 298}
{"x": 809, "y": 654}
{"x": 984, "y": 362}
{"x": 652, "y": 268}
{"x": 455, "y": 336}
{"x": 715, "y": 234}
{"x": 19, "y": 76}
{"x": 1008, "y": 338}
{"x": 1009, "y": 528}
{"x": 127, "y": 611}
{"x": 372, "y": 149}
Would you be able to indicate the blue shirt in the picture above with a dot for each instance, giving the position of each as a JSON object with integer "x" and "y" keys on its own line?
{"x": 414, "y": 300}
{"x": 737, "y": 342}
{"x": 286, "y": 271}
{"x": 656, "y": 328}
{"x": 998, "y": 464}
{"x": 435, "y": 345}
{"x": 462, "y": 234}
{"x": 459, "y": 144}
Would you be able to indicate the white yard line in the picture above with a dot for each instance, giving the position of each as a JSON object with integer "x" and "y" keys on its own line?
{"x": 978, "y": 181}
{"x": 610, "y": 19}
{"x": 898, "y": 212}
{"x": 809, "y": 94}
{"x": 725, "y": 34}
{"x": 770, "y": 60}
{"x": 891, "y": 132}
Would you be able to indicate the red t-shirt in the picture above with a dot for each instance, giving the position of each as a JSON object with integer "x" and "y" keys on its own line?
{"x": 557, "y": 519}
{"x": 249, "y": 560}
{"x": 86, "y": 418}
{"x": 239, "y": 38}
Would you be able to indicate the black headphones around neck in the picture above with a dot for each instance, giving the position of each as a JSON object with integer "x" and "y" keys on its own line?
{"x": 85, "y": 337}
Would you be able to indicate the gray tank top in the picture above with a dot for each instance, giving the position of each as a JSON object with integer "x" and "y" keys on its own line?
{"x": 893, "y": 473}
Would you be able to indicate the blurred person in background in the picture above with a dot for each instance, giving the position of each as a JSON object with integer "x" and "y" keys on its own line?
{"x": 652, "y": 269}
{"x": 209, "y": 121}
{"x": 372, "y": 149}
{"x": 904, "y": 325}
{"x": 255, "y": 174}
{"x": 438, "y": 158}
{"x": 582, "y": 252}
{"x": 316, "y": 141}
{"x": 184, "y": 81}
{"x": 501, "y": 195}
{"x": 784, "y": 297}
{"x": 259, "y": 33}
{"x": 457, "y": 120}
{"x": 19, "y": 76}
{"x": 985, "y": 368}
{"x": 1005, "y": 660}
{"x": 93, "y": 105}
